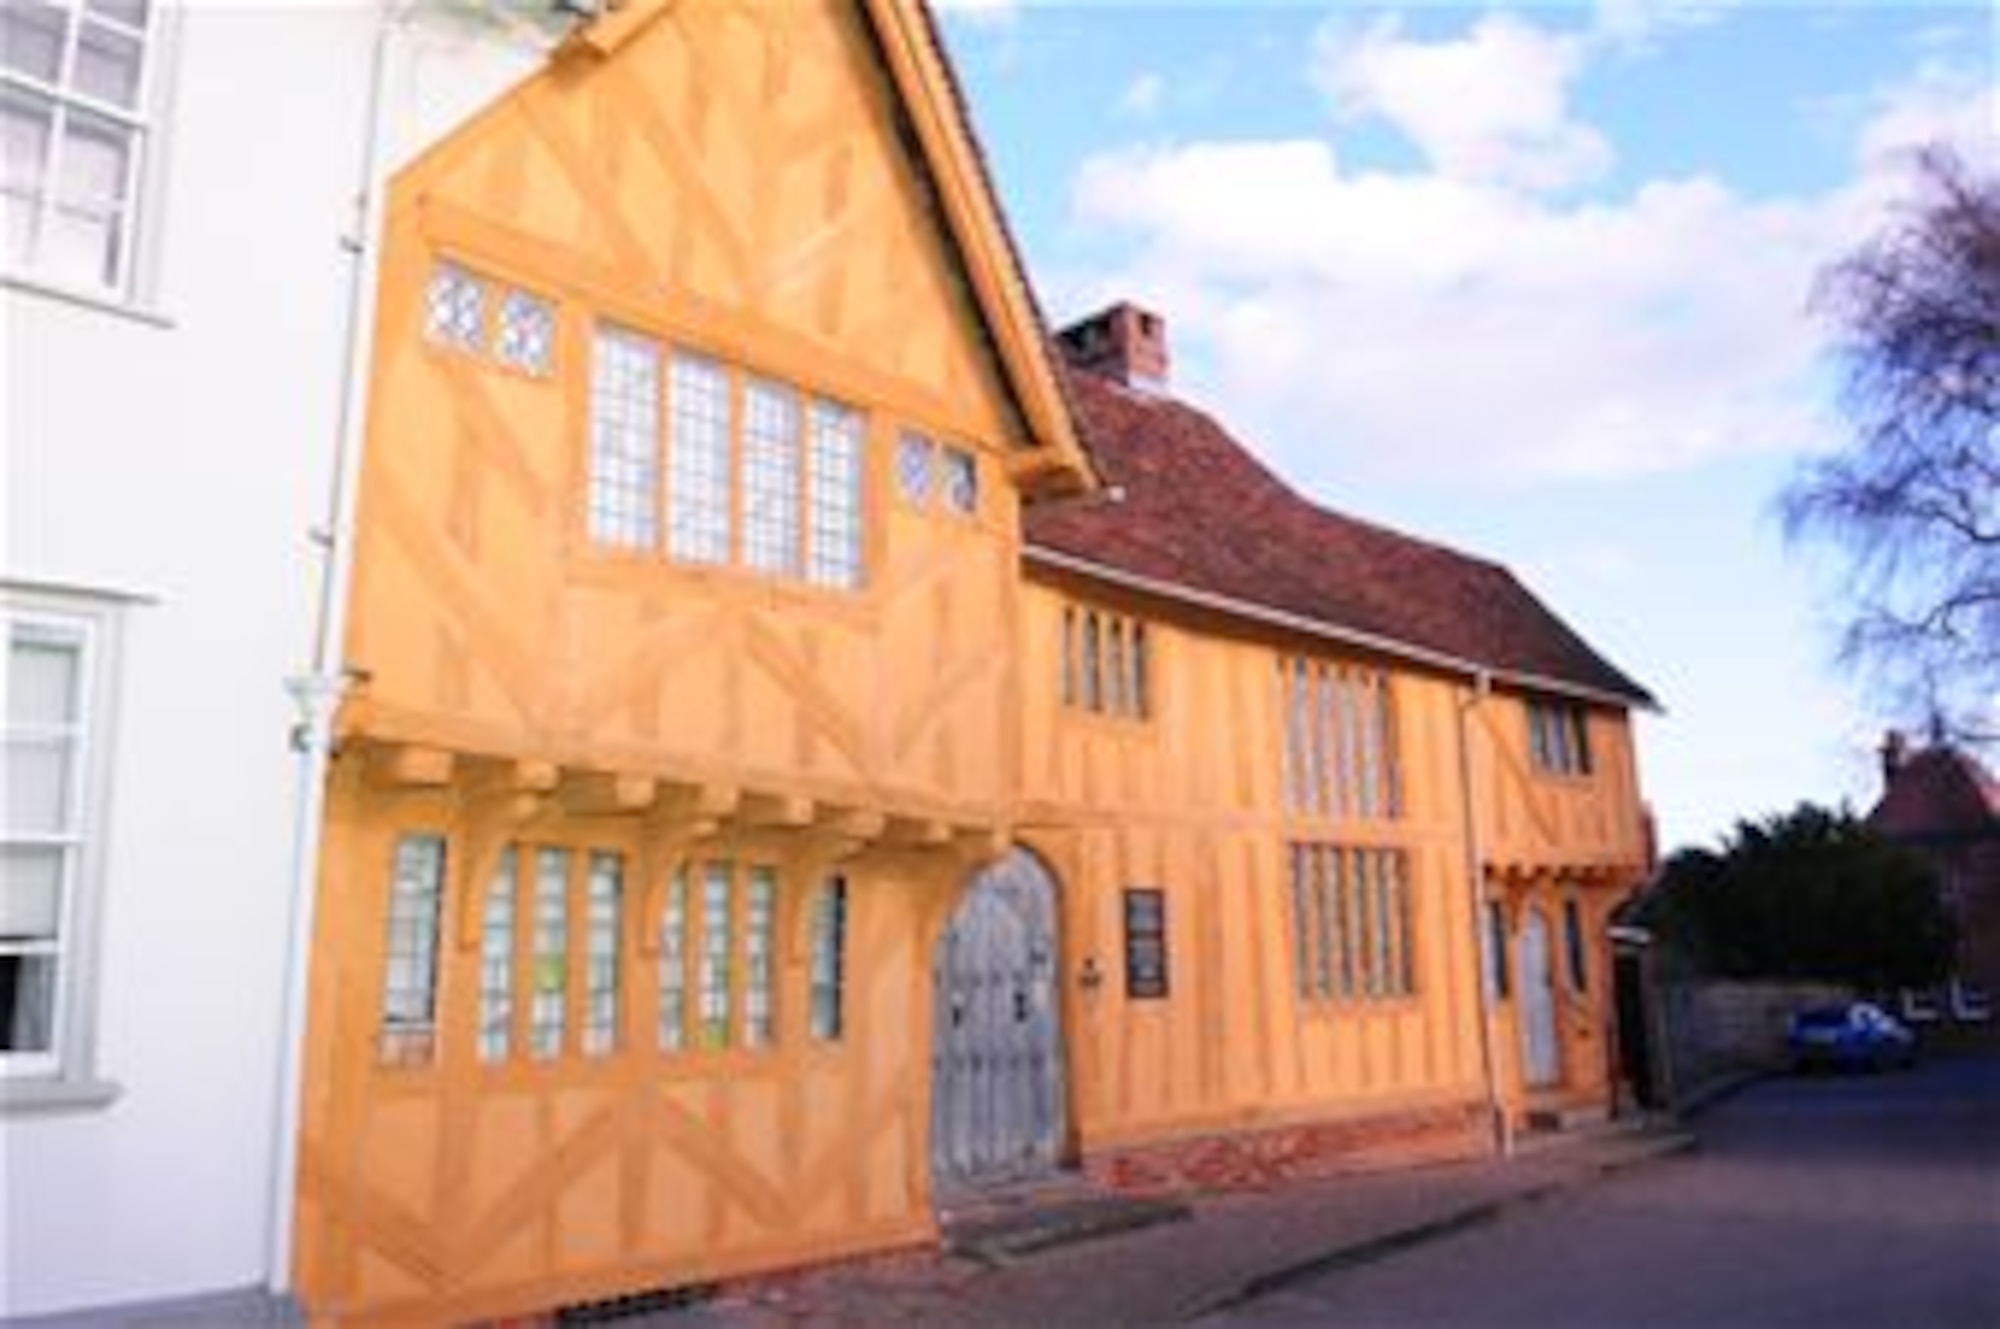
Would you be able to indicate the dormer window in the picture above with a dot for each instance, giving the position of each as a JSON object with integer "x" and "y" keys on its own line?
{"x": 1558, "y": 737}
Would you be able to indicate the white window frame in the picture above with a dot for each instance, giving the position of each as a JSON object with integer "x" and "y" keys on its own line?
{"x": 133, "y": 292}
{"x": 66, "y": 1076}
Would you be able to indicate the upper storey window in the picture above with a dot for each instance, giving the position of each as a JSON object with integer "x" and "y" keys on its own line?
{"x": 73, "y": 88}
{"x": 1106, "y": 663}
{"x": 1558, "y": 737}
{"x": 716, "y": 466}
{"x": 1340, "y": 740}
{"x": 470, "y": 313}
{"x": 930, "y": 472}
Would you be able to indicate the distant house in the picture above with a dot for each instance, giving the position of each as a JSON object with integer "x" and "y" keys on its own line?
{"x": 1941, "y": 801}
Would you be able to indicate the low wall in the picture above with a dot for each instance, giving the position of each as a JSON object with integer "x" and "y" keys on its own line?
{"x": 1715, "y": 1030}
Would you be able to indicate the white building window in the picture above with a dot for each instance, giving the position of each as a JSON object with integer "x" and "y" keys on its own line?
{"x": 56, "y": 709}
{"x": 410, "y": 958}
{"x": 455, "y": 308}
{"x": 73, "y": 95}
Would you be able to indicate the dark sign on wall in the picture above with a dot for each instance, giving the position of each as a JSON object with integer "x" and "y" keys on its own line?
{"x": 1145, "y": 943}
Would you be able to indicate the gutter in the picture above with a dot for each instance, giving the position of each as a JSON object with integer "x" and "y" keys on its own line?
{"x": 1332, "y": 632}
{"x": 1468, "y": 770}
{"x": 319, "y": 692}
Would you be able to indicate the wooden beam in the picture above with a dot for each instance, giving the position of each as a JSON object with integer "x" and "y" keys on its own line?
{"x": 922, "y": 832}
{"x": 409, "y": 765}
{"x": 776, "y": 810}
{"x": 596, "y": 793}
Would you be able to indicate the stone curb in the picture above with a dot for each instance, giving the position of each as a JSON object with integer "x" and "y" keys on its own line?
{"x": 1461, "y": 1218}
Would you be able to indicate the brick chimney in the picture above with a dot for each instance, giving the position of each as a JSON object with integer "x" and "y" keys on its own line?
{"x": 1895, "y": 750}
{"x": 1124, "y": 342}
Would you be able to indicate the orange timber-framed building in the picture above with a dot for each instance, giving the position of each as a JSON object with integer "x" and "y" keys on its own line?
{"x": 811, "y": 750}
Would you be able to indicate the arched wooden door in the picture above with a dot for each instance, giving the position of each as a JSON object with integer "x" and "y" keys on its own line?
{"x": 1541, "y": 1057}
{"x": 996, "y": 1062}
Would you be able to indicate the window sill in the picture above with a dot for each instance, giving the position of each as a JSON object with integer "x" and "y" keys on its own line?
{"x": 97, "y": 301}
{"x": 27, "y": 1096}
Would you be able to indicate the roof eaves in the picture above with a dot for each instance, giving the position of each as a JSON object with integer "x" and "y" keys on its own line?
{"x": 1250, "y": 611}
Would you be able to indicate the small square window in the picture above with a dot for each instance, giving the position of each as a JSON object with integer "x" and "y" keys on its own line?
{"x": 961, "y": 480}
{"x": 527, "y": 335}
{"x": 914, "y": 458}
{"x": 456, "y": 308}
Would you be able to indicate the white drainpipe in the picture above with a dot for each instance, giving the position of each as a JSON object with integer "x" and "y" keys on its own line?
{"x": 1475, "y": 853}
{"x": 318, "y": 693}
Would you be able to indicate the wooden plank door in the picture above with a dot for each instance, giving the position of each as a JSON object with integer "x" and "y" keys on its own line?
{"x": 1541, "y": 1058}
{"x": 996, "y": 1066}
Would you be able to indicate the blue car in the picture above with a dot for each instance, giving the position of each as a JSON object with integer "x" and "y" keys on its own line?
{"x": 1851, "y": 1036}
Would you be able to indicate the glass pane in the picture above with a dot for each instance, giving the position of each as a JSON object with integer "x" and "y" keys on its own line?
{"x": 27, "y": 1003}
{"x": 624, "y": 440}
{"x": 25, "y": 125}
{"x": 834, "y": 497}
{"x": 37, "y": 773}
{"x": 496, "y": 962}
{"x": 771, "y": 478}
{"x": 80, "y": 247}
{"x": 961, "y": 481}
{"x": 698, "y": 461}
{"x": 107, "y": 66}
{"x": 551, "y": 974}
{"x": 673, "y": 965}
{"x": 41, "y": 681}
{"x": 95, "y": 155}
{"x": 913, "y": 467}
{"x": 132, "y": 13}
{"x": 455, "y": 303}
{"x": 527, "y": 332}
{"x": 31, "y": 39}
{"x": 20, "y": 226}
{"x": 31, "y": 894}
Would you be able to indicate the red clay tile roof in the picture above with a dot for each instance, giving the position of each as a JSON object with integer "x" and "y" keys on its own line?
{"x": 1939, "y": 792}
{"x": 1200, "y": 513}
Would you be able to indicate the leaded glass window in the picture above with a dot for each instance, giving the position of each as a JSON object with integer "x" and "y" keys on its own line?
{"x": 759, "y": 923}
{"x": 527, "y": 336}
{"x": 604, "y": 889}
{"x": 915, "y": 457}
{"x": 455, "y": 304}
{"x": 961, "y": 480}
{"x": 624, "y": 440}
{"x": 698, "y": 460}
{"x": 1340, "y": 756}
{"x": 409, "y": 964}
{"x": 829, "y": 959}
{"x": 496, "y": 961}
{"x": 834, "y": 496}
{"x": 771, "y": 480}
{"x": 716, "y": 917}
{"x": 1353, "y": 923}
{"x": 549, "y": 991}
{"x": 673, "y": 964}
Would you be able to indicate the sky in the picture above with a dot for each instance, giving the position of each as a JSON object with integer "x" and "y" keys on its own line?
{"x": 1529, "y": 280}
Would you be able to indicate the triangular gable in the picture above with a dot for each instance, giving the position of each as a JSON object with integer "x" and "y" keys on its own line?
{"x": 912, "y": 53}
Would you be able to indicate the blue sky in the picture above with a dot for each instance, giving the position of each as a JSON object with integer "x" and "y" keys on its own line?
{"x": 1529, "y": 280}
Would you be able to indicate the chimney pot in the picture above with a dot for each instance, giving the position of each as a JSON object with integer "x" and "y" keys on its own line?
{"x": 1123, "y": 342}
{"x": 1895, "y": 750}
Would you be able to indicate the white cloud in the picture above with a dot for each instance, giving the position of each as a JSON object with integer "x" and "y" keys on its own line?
{"x": 1491, "y": 106}
{"x": 1466, "y": 323}
{"x": 1143, "y": 95}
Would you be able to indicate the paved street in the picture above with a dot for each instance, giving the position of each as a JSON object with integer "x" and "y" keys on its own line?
{"x": 1823, "y": 1202}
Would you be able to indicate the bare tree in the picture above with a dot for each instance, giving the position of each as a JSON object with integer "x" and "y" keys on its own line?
{"x": 1914, "y": 503}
